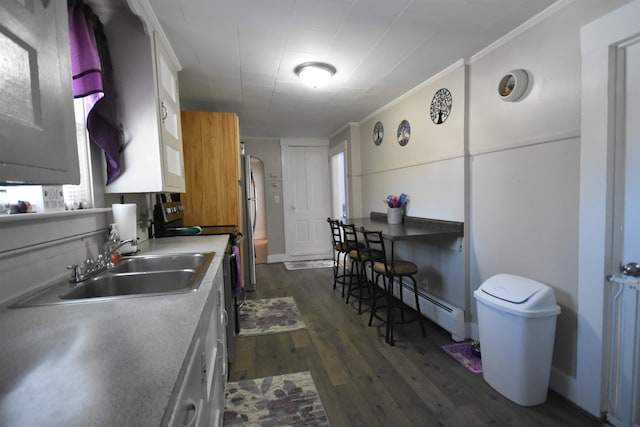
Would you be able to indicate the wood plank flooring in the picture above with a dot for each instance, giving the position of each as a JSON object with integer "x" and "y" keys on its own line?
{"x": 364, "y": 382}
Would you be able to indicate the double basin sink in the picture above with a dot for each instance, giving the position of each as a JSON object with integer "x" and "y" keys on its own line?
{"x": 138, "y": 275}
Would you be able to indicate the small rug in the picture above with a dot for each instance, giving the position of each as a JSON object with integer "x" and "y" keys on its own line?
{"x": 462, "y": 353}
{"x": 283, "y": 400}
{"x": 303, "y": 265}
{"x": 269, "y": 316}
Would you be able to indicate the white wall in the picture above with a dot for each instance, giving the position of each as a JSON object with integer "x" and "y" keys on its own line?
{"x": 430, "y": 169}
{"x": 525, "y": 167}
{"x": 524, "y": 210}
{"x": 37, "y": 249}
{"x": 509, "y": 170}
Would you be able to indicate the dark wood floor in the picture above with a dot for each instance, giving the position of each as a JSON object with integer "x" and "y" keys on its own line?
{"x": 364, "y": 382}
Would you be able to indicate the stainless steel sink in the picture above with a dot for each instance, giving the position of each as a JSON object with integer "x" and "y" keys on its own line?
{"x": 114, "y": 285}
{"x": 139, "y": 276}
{"x": 146, "y": 263}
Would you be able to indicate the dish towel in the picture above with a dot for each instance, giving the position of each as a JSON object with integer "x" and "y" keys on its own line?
{"x": 93, "y": 80}
{"x": 236, "y": 252}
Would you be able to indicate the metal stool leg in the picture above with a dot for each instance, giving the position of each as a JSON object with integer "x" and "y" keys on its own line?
{"x": 390, "y": 312}
{"x": 415, "y": 293}
{"x": 374, "y": 297}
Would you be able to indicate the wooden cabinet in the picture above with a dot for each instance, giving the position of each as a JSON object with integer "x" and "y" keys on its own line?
{"x": 212, "y": 168}
{"x": 37, "y": 127}
{"x": 146, "y": 78}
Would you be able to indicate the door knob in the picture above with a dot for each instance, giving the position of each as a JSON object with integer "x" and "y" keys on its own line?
{"x": 631, "y": 269}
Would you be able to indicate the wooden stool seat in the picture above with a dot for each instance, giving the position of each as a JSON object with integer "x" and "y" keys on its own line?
{"x": 399, "y": 268}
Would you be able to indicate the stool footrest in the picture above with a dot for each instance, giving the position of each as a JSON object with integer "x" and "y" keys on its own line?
{"x": 383, "y": 316}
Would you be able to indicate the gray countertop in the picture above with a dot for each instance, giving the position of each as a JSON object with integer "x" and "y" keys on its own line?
{"x": 108, "y": 363}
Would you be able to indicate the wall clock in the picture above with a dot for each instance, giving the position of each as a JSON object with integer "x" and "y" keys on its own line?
{"x": 404, "y": 133}
{"x": 513, "y": 85}
{"x": 441, "y": 106}
{"x": 378, "y": 133}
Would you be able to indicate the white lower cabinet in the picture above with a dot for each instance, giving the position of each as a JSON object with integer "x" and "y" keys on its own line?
{"x": 216, "y": 401}
{"x": 200, "y": 396}
{"x": 189, "y": 409}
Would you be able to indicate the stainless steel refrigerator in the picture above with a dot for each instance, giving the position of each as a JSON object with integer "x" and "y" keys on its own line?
{"x": 249, "y": 213}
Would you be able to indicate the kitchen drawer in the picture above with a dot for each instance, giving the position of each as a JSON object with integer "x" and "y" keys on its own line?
{"x": 216, "y": 403}
{"x": 191, "y": 403}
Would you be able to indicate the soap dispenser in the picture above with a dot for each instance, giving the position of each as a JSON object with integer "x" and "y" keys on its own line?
{"x": 112, "y": 245}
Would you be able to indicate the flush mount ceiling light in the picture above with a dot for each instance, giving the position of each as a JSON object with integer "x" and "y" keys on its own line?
{"x": 315, "y": 74}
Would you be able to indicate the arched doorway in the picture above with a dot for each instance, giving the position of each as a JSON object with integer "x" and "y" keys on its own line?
{"x": 259, "y": 214}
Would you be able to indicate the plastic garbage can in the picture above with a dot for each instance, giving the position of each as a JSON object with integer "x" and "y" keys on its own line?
{"x": 517, "y": 325}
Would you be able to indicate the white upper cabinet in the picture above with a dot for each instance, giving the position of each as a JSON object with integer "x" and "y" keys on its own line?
{"x": 171, "y": 131}
{"x": 146, "y": 79}
{"x": 37, "y": 127}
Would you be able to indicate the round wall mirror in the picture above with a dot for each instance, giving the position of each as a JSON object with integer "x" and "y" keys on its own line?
{"x": 513, "y": 85}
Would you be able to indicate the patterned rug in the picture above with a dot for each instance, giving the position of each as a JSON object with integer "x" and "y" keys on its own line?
{"x": 303, "y": 265}
{"x": 269, "y": 316}
{"x": 462, "y": 353}
{"x": 283, "y": 400}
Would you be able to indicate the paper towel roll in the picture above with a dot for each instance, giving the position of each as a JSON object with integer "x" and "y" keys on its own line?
{"x": 124, "y": 216}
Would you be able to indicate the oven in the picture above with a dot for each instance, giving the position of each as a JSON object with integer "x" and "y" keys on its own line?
{"x": 168, "y": 222}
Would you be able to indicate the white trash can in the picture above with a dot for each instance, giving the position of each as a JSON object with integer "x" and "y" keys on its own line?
{"x": 517, "y": 324}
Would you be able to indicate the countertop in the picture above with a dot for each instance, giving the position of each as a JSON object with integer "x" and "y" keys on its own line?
{"x": 108, "y": 363}
{"x": 410, "y": 228}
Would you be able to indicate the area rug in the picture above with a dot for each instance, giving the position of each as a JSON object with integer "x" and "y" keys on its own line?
{"x": 462, "y": 353}
{"x": 303, "y": 265}
{"x": 283, "y": 400}
{"x": 269, "y": 316}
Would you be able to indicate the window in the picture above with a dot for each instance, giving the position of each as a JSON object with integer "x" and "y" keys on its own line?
{"x": 81, "y": 195}
{"x": 75, "y": 196}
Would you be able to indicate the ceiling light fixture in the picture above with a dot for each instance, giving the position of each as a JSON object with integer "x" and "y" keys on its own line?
{"x": 315, "y": 74}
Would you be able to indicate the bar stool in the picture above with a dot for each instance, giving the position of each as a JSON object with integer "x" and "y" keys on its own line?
{"x": 390, "y": 270}
{"x": 360, "y": 255}
{"x": 356, "y": 256}
{"x": 340, "y": 250}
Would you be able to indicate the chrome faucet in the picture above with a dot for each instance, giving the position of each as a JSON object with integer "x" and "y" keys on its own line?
{"x": 100, "y": 264}
{"x": 110, "y": 251}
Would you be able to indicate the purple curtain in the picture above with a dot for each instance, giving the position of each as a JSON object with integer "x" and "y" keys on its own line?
{"x": 93, "y": 80}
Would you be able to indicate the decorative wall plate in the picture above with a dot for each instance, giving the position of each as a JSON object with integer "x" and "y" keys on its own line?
{"x": 513, "y": 85}
{"x": 378, "y": 133}
{"x": 441, "y": 105}
{"x": 404, "y": 133}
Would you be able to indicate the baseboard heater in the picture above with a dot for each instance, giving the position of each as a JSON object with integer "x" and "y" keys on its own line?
{"x": 447, "y": 316}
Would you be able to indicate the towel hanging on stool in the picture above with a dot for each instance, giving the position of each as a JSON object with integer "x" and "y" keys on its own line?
{"x": 236, "y": 252}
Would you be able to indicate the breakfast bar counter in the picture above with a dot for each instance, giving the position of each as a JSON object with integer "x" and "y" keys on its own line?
{"x": 411, "y": 228}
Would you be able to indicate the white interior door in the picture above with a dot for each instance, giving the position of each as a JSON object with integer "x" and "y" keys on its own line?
{"x": 306, "y": 200}
{"x": 604, "y": 112}
{"x": 623, "y": 385}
